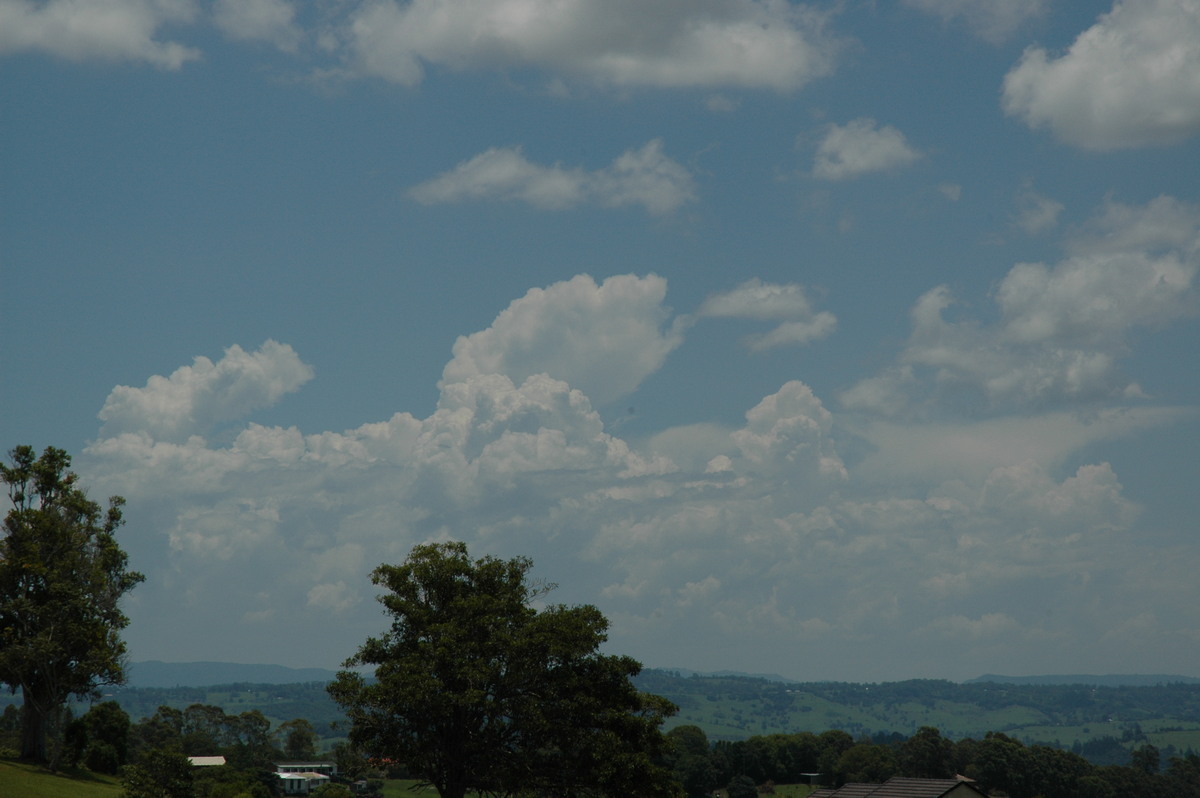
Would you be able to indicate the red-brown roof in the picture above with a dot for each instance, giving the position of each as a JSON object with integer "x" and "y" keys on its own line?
{"x": 904, "y": 788}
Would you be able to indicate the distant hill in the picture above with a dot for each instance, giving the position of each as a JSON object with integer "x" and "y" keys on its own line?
{"x": 153, "y": 673}
{"x": 688, "y": 672}
{"x": 1109, "y": 680}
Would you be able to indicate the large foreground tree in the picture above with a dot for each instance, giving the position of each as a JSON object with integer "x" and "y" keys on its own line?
{"x": 62, "y": 576}
{"x": 475, "y": 690}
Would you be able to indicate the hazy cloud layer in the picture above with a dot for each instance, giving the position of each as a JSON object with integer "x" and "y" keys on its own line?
{"x": 272, "y": 21}
{"x": 645, "y": 177}
{"x": 994, "y": 21}
{"x": 1130, "y": 80}
{"x": 860, "y": 147}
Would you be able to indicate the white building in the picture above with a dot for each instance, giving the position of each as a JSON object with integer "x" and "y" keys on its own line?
{"x": 302, "y": 778}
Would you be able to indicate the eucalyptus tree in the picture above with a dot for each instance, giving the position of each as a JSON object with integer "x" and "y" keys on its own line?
{"x": 62, "y": 577}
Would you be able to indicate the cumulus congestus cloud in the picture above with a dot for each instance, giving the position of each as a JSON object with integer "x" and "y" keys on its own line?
{"x": 760, "y": 531}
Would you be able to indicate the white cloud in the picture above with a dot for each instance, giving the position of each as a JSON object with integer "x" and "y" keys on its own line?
{"x": 272, "y": 21}
{"x": 994, "y": 21}
{"x": 195, "y": 397}
{"x": 1062, "y": 329}
{"x": 603, "y": 339}
{"x": 124, "y": 30}
{"x": 755, "y": 299}
{"x": 764, "y": 531}
{"x": 1130, "y": 80}
{"x": 860, "y": 147}
{"x": 717, "y": 43}
{"x": 791, "y": 429}
{"x": 101, "y": 29}
{"x": 643, "y": 177}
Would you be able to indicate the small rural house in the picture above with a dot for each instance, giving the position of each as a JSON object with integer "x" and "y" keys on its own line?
{"x": 302, "y": 778}
{"x": 905, "y": 788}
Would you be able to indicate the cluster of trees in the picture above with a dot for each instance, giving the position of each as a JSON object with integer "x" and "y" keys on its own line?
{"x": 997, "y": 762}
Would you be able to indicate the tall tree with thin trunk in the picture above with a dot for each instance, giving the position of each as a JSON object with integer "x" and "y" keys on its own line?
{"x": 62, "y": 576}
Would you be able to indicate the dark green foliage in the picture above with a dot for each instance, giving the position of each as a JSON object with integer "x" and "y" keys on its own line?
{"x": 476, "y": 690}
{"x": 299, "y": 739}
{"x": 927, "y": 755}
{"x": 742, "y": 786}
{"x": 691, "y": 761}
{"x": 865, "y": 762}
{"x": 160, "y": 774}
{"x": 99, "y": 740}
{"x": 229, "y": 782}
{"x": 62, "y": 576}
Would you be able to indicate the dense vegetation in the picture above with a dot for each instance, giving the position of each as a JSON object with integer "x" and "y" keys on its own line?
{"x": 999, "y": 764}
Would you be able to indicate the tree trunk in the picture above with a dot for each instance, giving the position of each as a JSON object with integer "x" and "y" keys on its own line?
{"x": 33, "y": 729}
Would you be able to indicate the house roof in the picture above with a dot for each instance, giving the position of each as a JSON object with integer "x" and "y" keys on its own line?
{"x": 851, "y": 790}
{"x": 206, "y": 761}
{"x": 898, "y": 787}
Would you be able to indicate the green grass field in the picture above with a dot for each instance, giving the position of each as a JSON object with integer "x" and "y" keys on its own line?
{"x": 27, "y": 781}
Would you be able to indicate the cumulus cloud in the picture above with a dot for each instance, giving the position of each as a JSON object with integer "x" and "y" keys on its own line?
{"x": 764, "y": 530}
{"x": 195, "y": 397}
{"x": 723, "y": 43}
{"x": 645, "y": 177}
{"x": 990, "y": 20}
{"x": 603, "y": 339}
{"x": 114, "y": 30}
{"x": 1130, "y": 80}
{"x": 786, "y": 303}
{"x": 1062, "y": 330}
{"x": 272, "y": 21}
{"x": 860, "y": 147}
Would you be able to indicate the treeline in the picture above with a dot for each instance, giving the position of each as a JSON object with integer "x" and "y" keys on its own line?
{"x": 154, "y": 749}
{"x": 1000, "y": 764}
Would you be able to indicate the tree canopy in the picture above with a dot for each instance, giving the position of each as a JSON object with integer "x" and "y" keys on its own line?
{"x": 62, "y": 576}
{"x": 476, "y": 690}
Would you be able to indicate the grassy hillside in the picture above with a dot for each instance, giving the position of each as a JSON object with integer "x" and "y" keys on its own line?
{"x": 27, "y": 781}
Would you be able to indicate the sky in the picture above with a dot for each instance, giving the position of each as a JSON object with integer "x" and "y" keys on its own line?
{"x": 849, "y": 341}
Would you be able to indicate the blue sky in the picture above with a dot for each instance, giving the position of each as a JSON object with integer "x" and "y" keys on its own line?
{"x": 849, "y": 341}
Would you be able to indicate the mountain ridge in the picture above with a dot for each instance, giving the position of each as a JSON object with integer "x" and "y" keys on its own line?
{"x": 157, "y": 673}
